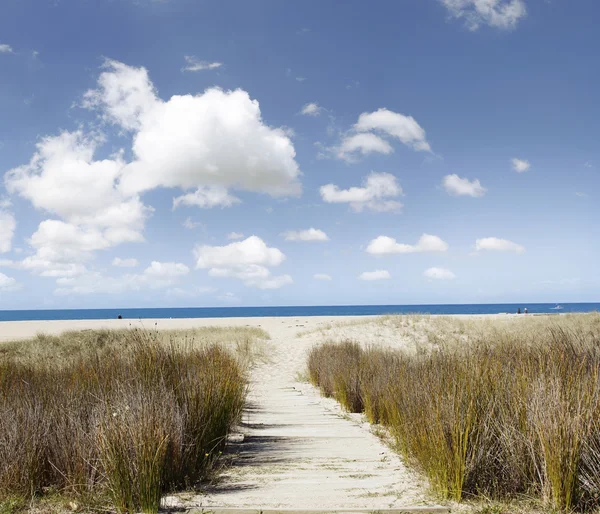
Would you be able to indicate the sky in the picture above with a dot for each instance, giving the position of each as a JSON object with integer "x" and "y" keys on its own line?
{"x": 181, "y": 153}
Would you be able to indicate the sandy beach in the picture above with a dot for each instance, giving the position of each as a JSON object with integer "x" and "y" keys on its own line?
{"x": 294, "y": 448}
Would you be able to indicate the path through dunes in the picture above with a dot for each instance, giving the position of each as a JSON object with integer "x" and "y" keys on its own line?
{"x": 299, "y": 451}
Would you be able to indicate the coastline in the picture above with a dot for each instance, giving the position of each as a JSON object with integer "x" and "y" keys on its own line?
{"x": 15, "y": 330}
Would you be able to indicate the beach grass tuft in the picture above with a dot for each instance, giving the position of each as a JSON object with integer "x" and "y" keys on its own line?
{"x": 126, "y": 415}
{"x": 494, "y": 411}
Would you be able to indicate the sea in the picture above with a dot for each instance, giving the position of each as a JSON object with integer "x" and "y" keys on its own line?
{"x": 328, "y": 310}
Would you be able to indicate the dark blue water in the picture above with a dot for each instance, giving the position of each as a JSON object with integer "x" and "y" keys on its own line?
{"x": 333, "y": 310}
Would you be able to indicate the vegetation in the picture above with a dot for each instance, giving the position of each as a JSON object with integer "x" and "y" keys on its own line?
{"x": 491, "y": 410}
{"x": 125, "y": 415}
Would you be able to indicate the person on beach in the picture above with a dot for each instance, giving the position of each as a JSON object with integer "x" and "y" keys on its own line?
{"x": 525, "y": 310}
{"x": 519, "y": 310}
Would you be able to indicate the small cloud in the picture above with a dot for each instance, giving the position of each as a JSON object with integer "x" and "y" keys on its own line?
{"x": 457, "y": 186}
{"x": 268, "y": 210}
{"x": 502, "y": 14}
{"x": 494, "y": 244}
{"x": 311, "y": 234}
{"x": 375, "y": 194}
{"x": 235, "y": 235}
{"x": 321, "y": 276}
{"x": 193, "y": 64}
{"x": 6, "y": 49}
{"x": 439, "y": 274}
{"x": 300, "y": 79}
{"x": 587, "y": 164}
{"x": 302, "y": 31}
{"x": 190, "y": 224}
{"x": 124, "y": 263}
{"x": 520, "y": 166}
{"x": 385, "y": 245}
{"x": 581, "y": 195}
{"x": 229, "y": 298}
{"x": 311, "y": 109}
{"x": 379, "y": 274}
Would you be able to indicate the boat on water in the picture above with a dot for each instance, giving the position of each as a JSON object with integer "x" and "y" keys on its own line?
{"x": 557, "y": 308}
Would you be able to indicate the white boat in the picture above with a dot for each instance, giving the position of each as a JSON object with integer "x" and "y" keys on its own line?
{"x": 557, "y": 308}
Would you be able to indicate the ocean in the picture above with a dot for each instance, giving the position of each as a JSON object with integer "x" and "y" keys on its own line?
{"x": 332, "y": 310}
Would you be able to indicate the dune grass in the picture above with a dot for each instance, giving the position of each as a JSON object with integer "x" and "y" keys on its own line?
{"x": 124, "y": 416}
{"x": 493, "y": 410}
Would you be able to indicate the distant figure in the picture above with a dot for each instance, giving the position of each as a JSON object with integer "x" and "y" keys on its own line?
{"x": 119, "y": 317}
{"x": 525, "y": 310}
{"x": 519, "y": 310}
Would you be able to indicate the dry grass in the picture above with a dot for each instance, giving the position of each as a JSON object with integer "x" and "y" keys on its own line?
{"x": 497, "y": 409}
{"x": 121, "y": 417}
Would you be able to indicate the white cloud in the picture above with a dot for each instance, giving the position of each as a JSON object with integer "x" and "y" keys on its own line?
{"x": 248, "y": 260}
{"x": 503, "y": 14}
{"x": 191, "y": 224}
{"x": 124, "y": 263}
{"x": 375, "y": 275}
{"x": 394, "y": 124}
{"x": 7, "y": 283}
{"x": 8, "y": 225}
{"x": 228, "y": 298}
{"x": 235, "y": 235}
{"x": 520, "y": 166}
{"x": 311, "y": 234}
{"x": 495, "y": 244}
{"x": 215, "y": 138}
{"x": 5, "y": 49}
{"x": 208, "y": 143}
{"x": 363, "y": 143}
{"x": 439, "y": 274}
{"x": 457, "y": 186}
{"x": 384, "y": 245}
{"x": 581, "y": 194}
{"x": 207, "y": 197}
{"x": 178, "y": 292}
{"x": 322, "y": 276}
{"x": 311, "y": 109}
{"x": 374, "y": 195}
{"x": 193, "y": 64}
{"x": 157, "y": 276}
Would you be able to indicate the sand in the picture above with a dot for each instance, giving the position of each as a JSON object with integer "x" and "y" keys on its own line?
{"x": 294, "y": 449}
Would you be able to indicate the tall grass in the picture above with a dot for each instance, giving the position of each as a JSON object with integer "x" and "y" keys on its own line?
{"x": 131, "y": 416}
{"x": 506, "y": 413}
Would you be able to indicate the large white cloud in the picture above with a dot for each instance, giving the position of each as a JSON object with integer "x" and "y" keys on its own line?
{"x": 455, "y": 185}
{"x": 375, "y": 194}
{"x": 310, "y": 234}
{"x": 202, "y": 144}
{"x": 248, "y": 260}
{"x": 8, "y": 225}
{"x": 379, "y": 274}
{"x": 215, "y": 138}
{"x": 503, "y": 14}
{"x": 384, "y": 245}
{"x": 5, "y": 49}
{"x": 495, "y": 244}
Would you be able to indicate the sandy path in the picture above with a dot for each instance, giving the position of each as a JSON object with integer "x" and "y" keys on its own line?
{"x": 300, "y": 451}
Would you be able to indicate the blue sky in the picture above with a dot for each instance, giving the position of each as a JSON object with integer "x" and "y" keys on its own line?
{"x": 184, "y": 153}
